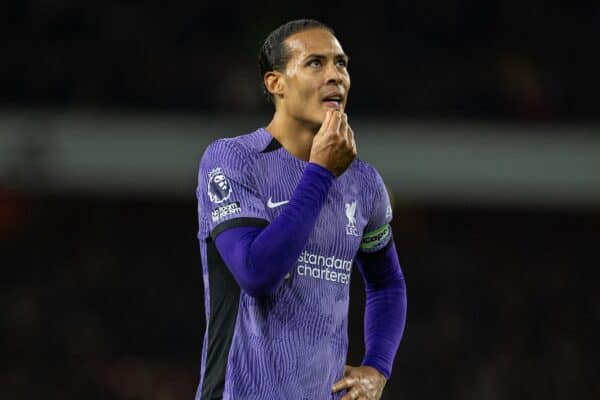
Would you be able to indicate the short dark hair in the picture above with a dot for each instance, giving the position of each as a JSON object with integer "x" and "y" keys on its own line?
{"x": 274, "y": 54}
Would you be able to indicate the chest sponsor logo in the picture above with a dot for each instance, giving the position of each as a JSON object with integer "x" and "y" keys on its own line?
{"x": 351, "y": 229}
{"x": 227, "y": 209}
{"x": 272, "y": 204}
{"x": 219, "y": 189}
{"x": 329, "y": 268}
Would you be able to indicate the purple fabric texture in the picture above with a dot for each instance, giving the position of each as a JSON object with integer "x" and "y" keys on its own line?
{"x": 385, "y": 309}
{"x": 259, "y": 258}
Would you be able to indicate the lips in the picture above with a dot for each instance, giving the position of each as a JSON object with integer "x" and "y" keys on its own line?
{"x": 333, "y": 99}
{"x": 333, "y": 104}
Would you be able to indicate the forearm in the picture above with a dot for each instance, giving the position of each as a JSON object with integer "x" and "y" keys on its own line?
{"x": 385, "y": 310}
{"x": 259, "y": 258}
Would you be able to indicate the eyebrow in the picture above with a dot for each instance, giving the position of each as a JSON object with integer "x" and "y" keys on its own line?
{"x": 321, "y": 56}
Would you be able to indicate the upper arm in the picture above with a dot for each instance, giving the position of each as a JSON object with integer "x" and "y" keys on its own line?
{"x": 378, "y": 232}
{"x": 377, "y": 258}
{"x": 227, "y": 191}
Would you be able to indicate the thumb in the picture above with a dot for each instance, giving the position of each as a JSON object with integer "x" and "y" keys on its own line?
{"x": 347, "y": 370}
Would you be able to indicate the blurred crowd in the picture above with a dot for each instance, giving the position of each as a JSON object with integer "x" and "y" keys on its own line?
{"x": 515, "y": 60}
{"x": 102, "y": 299}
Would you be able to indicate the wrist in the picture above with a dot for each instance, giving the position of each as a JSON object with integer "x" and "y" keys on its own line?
{"x": 385, "y": 374}
{"x": 318, "y": 169}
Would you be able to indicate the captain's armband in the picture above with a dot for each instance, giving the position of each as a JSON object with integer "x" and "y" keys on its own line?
{"x": 377, "y": 239}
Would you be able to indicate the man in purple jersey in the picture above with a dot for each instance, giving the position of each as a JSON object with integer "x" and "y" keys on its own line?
{"x": 284, "y": 213}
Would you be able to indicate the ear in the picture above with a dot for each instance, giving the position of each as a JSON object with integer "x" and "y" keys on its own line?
{"x": 274, "y": 83}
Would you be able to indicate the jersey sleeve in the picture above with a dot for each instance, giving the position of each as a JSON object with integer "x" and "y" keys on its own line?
{"x": 378, "y": 232}
{"x": 227, "y": 189}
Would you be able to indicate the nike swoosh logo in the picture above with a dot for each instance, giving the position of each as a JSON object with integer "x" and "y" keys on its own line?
{"x": 270, "y": 203}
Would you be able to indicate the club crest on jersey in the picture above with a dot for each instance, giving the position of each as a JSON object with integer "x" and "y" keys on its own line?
{"x": 351, "y": 215}
{"x": 219, "y": 188}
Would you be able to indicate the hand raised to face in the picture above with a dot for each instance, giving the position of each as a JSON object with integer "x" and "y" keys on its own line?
{"x": 334, "y": 147}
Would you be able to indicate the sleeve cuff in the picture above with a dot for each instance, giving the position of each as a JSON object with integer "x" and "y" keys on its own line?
{"x": 373, "y": 364}
{"x": 236, "y": 222}
{"x": 319, "y": 170}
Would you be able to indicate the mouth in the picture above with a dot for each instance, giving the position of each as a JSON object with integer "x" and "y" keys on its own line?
{"x": 334, "y": 101}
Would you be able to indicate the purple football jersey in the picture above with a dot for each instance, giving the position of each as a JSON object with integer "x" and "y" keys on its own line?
{"x": 291, "y": 344}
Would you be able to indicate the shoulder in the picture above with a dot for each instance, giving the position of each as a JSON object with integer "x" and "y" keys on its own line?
{"x": 366, "y": 180}
{"x": 244, "y": 147}
{"x": 365, "y": 172}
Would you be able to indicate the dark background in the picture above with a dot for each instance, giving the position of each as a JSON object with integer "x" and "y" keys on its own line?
{"x": 515, "y": 59}
{"x": 102, "y": 293}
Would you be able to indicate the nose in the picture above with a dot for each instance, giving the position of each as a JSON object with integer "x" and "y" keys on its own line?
{"x": 334, "y": 74}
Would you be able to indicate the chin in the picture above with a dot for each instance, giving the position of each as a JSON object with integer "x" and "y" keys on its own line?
{"x": 316, "y": 124}
{"x": 315, "y": 119}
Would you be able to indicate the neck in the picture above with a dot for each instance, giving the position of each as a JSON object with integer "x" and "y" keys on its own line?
{"x": 295, "y": 136}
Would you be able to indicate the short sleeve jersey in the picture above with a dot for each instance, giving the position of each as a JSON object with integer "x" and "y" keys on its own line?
{"x": 291, "y": 344}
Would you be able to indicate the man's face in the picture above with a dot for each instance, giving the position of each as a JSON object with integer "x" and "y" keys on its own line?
{"x": 316, "y": 77}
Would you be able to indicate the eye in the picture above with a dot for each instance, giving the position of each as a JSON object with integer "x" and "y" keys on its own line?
{"x": 342, "y": 63}
{"x": 315, "y": 62}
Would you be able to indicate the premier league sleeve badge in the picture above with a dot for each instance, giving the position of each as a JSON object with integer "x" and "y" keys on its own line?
{"x": 219, "y": 188}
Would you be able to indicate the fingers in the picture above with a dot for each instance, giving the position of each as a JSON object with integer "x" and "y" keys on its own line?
{"x": 343, "y": 383}
{"x": 360, "y": 383}
{"x": 337, "y": 122}
{"x": 353, "y": 394}
{"x": 347, "y": 132}
{"x": 344, "y": 125}
{"x": 332, "y": 147}
{"x": 326, "y": 121}
{"x": 351, "y": 139}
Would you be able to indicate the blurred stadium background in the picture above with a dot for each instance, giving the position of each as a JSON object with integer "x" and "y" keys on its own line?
{"x": 483, "y": 118}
